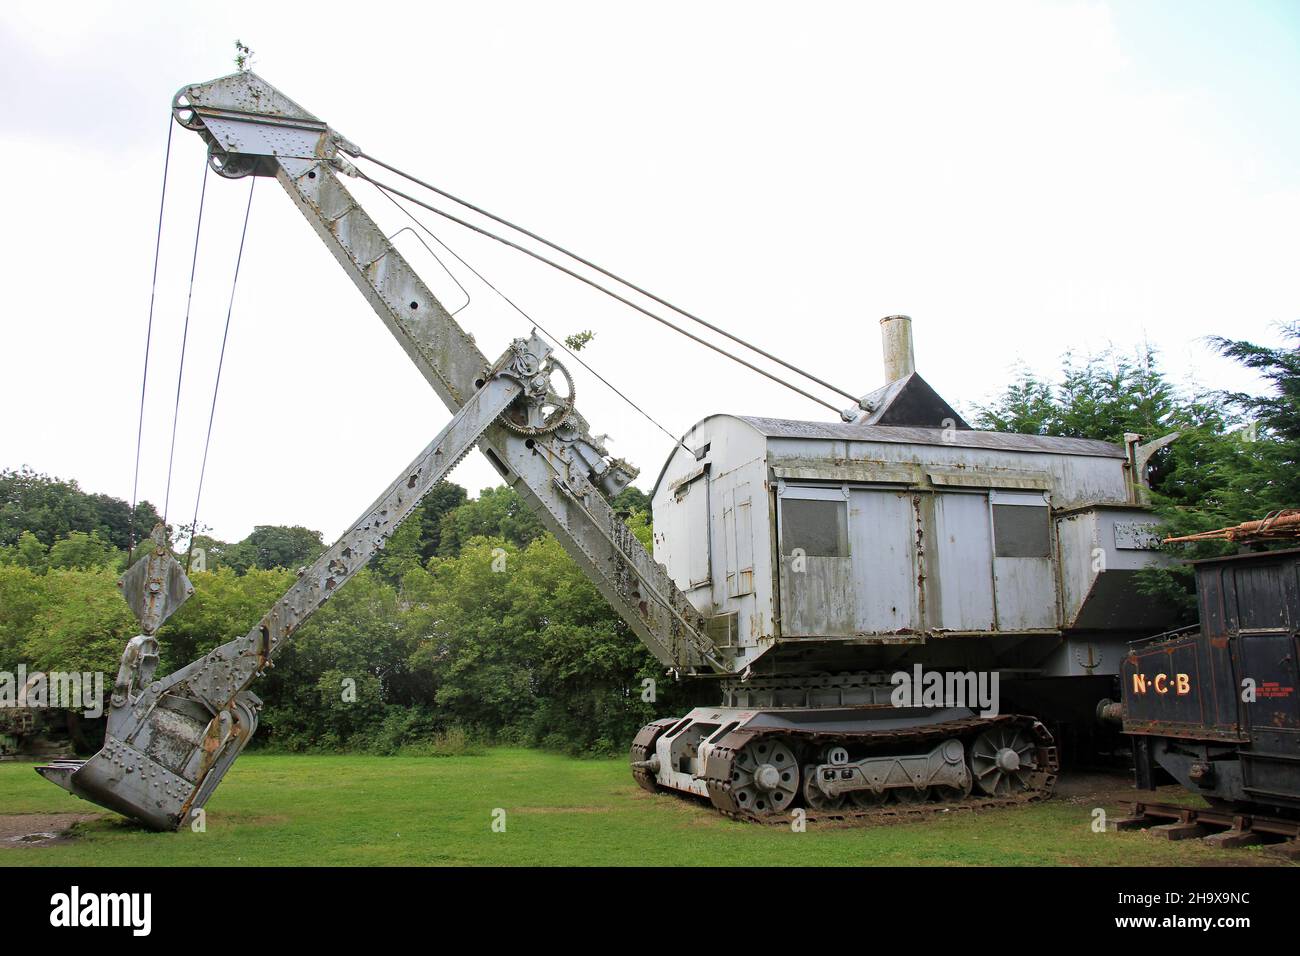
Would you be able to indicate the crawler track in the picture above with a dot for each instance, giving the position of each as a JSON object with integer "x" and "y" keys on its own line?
{"x": 895, "y": 813}
{"x": 643, "y": 746}
{"x": 718, "y": 773}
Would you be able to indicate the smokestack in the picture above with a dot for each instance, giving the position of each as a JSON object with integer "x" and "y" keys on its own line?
{"x": 896, "y": 337}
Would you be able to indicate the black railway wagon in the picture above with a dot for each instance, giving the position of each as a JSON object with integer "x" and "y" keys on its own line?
{"x": 1216, "y": 706}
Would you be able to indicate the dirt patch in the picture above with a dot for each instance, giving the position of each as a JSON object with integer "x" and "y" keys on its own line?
{"x": 39, "y": 829}
{"x": 1109, "y": 790}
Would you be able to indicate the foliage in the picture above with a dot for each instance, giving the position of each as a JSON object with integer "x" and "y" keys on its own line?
{"x": 66, "y": 619}
{"x": 50, "y": 509}
{"x": 225, "y": 605}
{"x": 357, "y": 638}
{"x": 579, "y": 340}
{"x": 243, "y": 57}
{"x": 22, "y": 597}
{"x": 418, "y": 538}
{"x": 497, "y": 512}
{"x": 272, "y": 546}
{"x": 81, "y": 551}
{"x": 631, "y": 499}
{"x": 27, "y": 553}
{"x": 1270, "y": 478}
{"x": 1100, "y": 397}
{"x": 435, "y": 647}
{"x": 1234, "y": 460}
{"x": 82, "y": 624}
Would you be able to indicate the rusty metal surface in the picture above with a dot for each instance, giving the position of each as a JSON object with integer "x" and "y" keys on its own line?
{"x": 643, "y": 749}
{"x": 155, "y": 586}
{"x": 1218, "y": 706}
{"x": 1278, "y": 525}
{"x": 1215, "y": 817}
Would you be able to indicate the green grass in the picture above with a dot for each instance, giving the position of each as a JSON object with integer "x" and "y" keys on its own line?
{"x": 352, "y": 810}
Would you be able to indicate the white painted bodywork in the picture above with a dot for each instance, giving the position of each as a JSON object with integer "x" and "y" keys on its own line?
{"x": 923, "y": 557}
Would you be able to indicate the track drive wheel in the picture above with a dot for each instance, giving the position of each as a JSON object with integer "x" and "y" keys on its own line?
{"x": 1002, "y": 759}
{"x": 765, "y": 776}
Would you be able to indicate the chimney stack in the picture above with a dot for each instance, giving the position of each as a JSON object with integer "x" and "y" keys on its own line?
{"x": 896, "y": 337}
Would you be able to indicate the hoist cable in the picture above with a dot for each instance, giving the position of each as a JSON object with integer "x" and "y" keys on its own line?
{"x": 559, "y": 342}
{"x": 595, "y": 285}
{"x": 611, "y": 275}
{"x": 148, "y": 340}
{"x": 221, "y": 361}
{"x": 185, "y": 335}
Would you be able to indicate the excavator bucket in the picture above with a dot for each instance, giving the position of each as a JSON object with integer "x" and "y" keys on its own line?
{"x": 158, "y": 767}
{"x": 166, "y": 747}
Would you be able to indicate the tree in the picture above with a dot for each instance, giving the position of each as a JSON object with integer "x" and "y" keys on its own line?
{"x": 420, "y": 535}
{"x": 30, "y": 553}
{"x": 22, "y": 598}
{"x": 345, "y": 678}
{"x": 497, "y": 512}
{"x": 1106, "y": 396}
{"x": 82, "y": 625}
{"x": 85, "y": 551}
{"x": 225, "y": 605}
{"x": 1235, "y": 458}
{"x": 631, "y": 499}
{"x": 214, "y": 551}
{"x": 1237, "y": 461}
{"x": 115, "y": 523}
{"x": 1101, "y": 397}
{"x": 439, "y": 636}
{"x": 274, "y": 546}
{"x": 50, "y": 509}
{"x": 587, "y": 665}
{"x": 1273, "y": 438}
{"x": 519, "y": 642}
{"x": 1027, "y": 406}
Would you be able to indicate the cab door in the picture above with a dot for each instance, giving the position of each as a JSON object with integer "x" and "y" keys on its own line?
{"x": 1024, "y": 586}
{"x": 816, "y": 567}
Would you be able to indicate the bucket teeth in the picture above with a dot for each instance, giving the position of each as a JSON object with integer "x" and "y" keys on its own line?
{"x": 60, "y": 772}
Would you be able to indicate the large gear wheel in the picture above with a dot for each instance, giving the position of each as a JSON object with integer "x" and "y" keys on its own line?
{"x": 542, "y": 410}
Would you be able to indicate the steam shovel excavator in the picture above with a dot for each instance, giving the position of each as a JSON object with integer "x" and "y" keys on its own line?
{"x": 803, "y": 563}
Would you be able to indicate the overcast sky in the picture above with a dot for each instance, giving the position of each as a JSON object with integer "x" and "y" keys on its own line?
{"x": 1023, "y": 179}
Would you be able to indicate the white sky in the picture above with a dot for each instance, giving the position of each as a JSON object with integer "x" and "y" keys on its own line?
{"x": 1021, "y": 178}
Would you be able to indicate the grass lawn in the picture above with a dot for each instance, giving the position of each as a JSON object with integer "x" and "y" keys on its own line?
{"x": 351, "y": 810}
